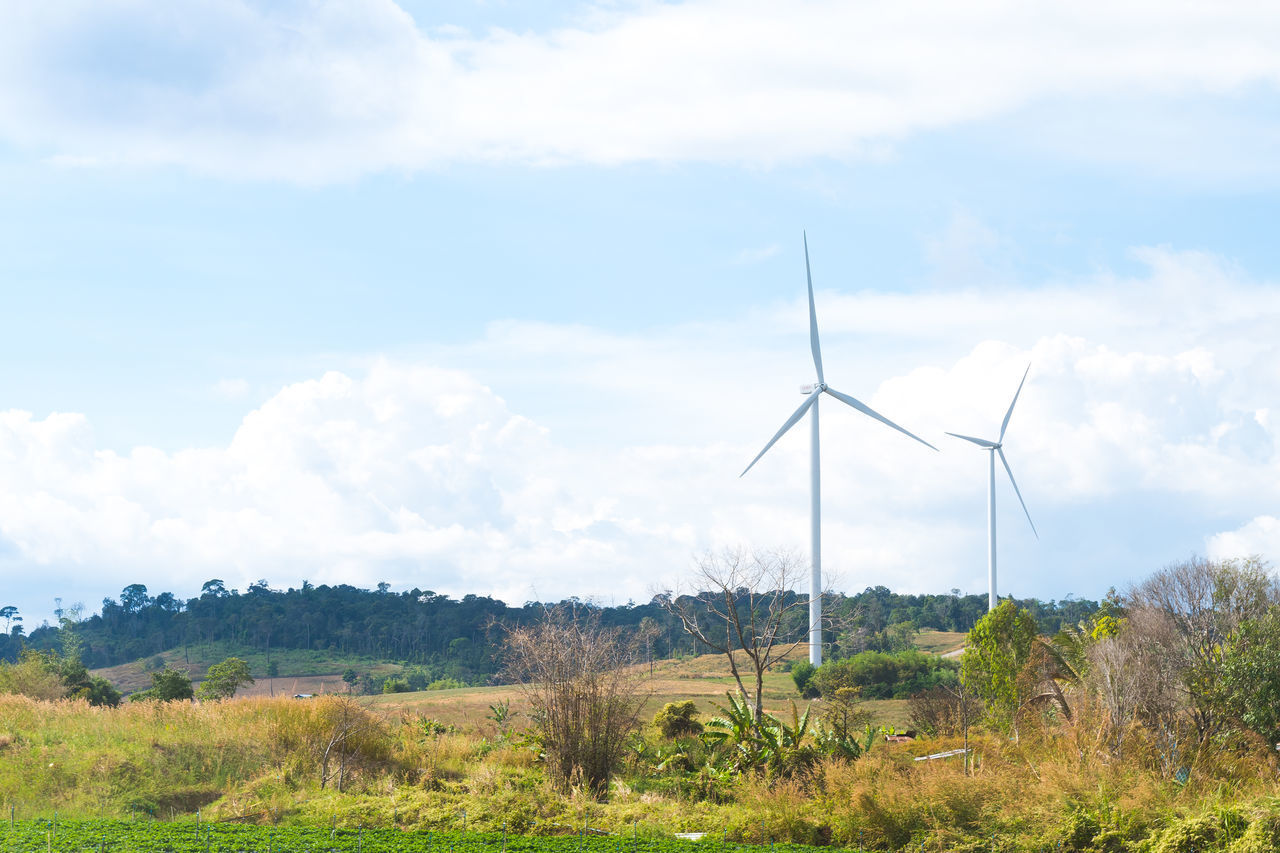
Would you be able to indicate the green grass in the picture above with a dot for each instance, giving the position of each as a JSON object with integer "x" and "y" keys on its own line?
{"x": 146, "y": 835}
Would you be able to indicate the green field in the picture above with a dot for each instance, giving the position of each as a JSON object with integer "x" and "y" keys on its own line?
{"x": 191, "y": 837}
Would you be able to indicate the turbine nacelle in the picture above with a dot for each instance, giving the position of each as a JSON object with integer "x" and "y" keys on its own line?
{"x": 811, "y": 387}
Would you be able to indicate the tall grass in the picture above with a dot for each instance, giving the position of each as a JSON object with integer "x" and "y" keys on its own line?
{"x": 261, "y": 759}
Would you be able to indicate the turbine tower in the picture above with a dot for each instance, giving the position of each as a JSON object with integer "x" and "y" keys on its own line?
{"x": 812, "y": 393}
{"x": 993, "y": 449}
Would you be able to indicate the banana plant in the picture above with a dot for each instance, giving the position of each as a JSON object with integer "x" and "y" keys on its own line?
{"x": 735, "y": 734}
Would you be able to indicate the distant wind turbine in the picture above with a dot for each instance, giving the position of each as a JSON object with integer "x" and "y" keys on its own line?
{"x": 812, "y": 393}
{"x": 993, "y": 448}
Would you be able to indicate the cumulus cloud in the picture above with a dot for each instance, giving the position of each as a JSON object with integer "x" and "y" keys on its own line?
{"x": 1143, "y": 434}
{"x": 320, "y": 92}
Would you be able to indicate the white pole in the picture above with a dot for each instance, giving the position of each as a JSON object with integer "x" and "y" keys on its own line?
{"x": 815, "y": 577}
{"x": 991, "y": 529}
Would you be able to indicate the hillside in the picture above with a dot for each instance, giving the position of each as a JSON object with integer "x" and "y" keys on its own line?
{"x": 447, "y": 638}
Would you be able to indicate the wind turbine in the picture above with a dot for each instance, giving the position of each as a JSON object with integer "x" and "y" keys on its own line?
{"x": 993, "y": 449}
{"x": 812, "y": 393}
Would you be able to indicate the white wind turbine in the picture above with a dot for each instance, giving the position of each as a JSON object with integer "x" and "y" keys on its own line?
{"x": 993, "y": 448}
{"x": 813, "y": 392}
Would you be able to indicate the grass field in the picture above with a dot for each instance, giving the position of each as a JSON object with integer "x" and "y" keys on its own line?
{"x": 302, "y": 670}
{"x": 269, "y": 762}
{"x": 940, "y": 642}
{"x": 704, "y": 680}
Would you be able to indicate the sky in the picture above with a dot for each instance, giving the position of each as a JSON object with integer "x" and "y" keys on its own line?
{"x": 501, "y": 298}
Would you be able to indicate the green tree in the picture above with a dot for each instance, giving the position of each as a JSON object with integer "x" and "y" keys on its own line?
{"x": 996, "y": 650}
{"x": 224, "y": 679}
{"x": 167, "y": 685}
{"x": 1248, "y": 681}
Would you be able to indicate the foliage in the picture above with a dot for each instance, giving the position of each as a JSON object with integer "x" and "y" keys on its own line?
{"x": 878, "y": 675}
{"x": 224, "y": 679}
{"x": 995, "y": 652}
{"x": 1179, "y": 622}
{"x": 423, "y": 628}
{"x": 167, "y": 685}
{"x": 779, "y": 749}
{"x": 48, "y": 675}
{"x": 1248, "y": 680}
{"x": 802, "y": 673}
{"x": 676, "y": 719}
{"x": 35, "y": 675}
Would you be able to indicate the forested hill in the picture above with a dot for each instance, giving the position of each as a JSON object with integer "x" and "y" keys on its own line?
{"x": 460, "y": 637}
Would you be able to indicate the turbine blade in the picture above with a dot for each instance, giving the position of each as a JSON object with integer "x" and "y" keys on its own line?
{"x": 791, "y": 421}
{"x": 1004, "y": 426}
{"x": 1009, "y": 471}
{"x": 870, "y": 412}
{"x": 981, "y": 442}
{"x": 813, "y": 316}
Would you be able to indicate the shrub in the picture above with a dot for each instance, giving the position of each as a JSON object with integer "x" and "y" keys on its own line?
{"x": 167, "y": 685}
{"x": 880, "y": 675}
{"x": 585, "y": 701}
{"x": 802, "y": 674}
{"x": 676, "y": 719}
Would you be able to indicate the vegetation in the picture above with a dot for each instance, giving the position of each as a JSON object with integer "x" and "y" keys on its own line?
{"x": 881, "y": 675}
{"x": 224, "y": 679}
{"x": 997, "y": 650}
{"x": 312, "y": 626}
{"x": 744, "y": 611}
{"x": 585, "y": 701}
{"x": 167, "y": 685}
{"x": 190, "y": 837}
{"x": 1147, "y": 725}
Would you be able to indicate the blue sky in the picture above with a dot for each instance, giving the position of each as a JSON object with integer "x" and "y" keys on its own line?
{"x": 502, "y": 297}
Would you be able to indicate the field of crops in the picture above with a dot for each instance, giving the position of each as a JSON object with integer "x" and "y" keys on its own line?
{"x": 82, "y": 836}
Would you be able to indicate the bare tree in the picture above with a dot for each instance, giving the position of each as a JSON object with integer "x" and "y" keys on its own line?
{"x": 585, "y": 699}
{"x": 1115, "y": 676}
{"x": 1181, "y": 617}
{"x": 742, "y": 610}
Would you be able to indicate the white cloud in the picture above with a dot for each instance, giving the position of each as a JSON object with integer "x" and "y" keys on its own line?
{"x": 1142, "y": 435}
{"x": 320, "y": 92}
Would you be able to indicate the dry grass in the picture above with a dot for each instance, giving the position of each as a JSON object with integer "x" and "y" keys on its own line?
{"x": 258, "y": 757}
{"x": 939, "y": 642}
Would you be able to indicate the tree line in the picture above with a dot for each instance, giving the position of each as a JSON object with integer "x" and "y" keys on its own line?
{"x": 460, "y": 638}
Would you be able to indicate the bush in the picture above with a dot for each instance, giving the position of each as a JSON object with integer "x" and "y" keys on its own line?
{"x": 167, "y": 685}
{"x": 34, "y": 675}
{"x": 585, "y": 701}
{"x": 802, "y": 674}
{"x": 879, "y": 675}
{"x": 676, "y": 719}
